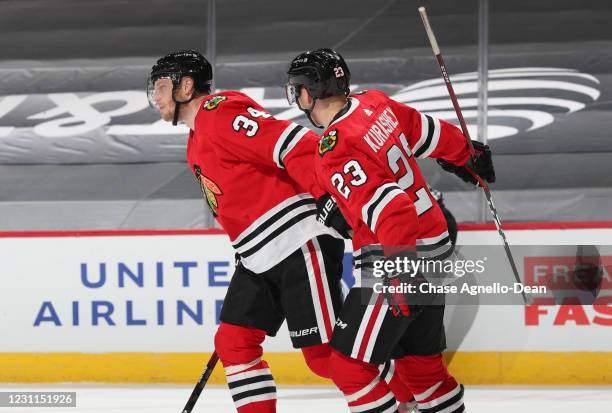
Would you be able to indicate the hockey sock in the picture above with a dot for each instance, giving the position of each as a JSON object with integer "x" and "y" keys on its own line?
{"x": 248, "y": 376}
{"x": 361, "y": 385}
{"x": 434, "y": 389}
{"x": 317, "y": 359}
{"x": 390, "y": 375}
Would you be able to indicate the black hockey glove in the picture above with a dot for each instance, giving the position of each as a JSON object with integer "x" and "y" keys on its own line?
{"x": 482, "y": 165}
{"x": 329, "y": 215}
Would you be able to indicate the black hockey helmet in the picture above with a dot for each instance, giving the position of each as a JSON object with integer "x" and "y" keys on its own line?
{"x": 175, "y": 66}
{"x": 323, "y": 72}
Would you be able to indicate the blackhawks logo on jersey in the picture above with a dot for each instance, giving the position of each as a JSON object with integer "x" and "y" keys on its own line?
{"x": 210, "y": 190}
{"x": 211, "y": 104}
{"x": 328, "y": 142}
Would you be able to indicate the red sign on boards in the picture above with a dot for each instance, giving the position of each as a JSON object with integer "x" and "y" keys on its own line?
{"x": 579, "y": 290}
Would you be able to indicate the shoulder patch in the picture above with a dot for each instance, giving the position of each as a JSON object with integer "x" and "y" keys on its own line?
{"x": 328, "y": 142}
{"x": 212, "y": 103}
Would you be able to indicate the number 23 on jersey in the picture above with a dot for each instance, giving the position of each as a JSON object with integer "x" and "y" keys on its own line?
{"x": 353, "y": 175}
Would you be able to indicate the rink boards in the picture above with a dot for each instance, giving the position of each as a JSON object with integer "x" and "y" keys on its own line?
{"x": 142, "y": 306}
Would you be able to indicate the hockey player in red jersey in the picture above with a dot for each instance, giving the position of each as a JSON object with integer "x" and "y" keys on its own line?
{"x": 256, "y": 174}
{"x": 366, "y": 159}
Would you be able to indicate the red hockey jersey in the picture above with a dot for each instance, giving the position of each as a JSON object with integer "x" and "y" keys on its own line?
{"x": 256, "y": 174}
{"x": 367, "y": 160}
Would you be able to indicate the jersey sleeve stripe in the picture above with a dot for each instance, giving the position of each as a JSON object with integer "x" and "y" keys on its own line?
{"x": 372, "y": 209}
{"x": 424, "y": 133}
{"x": 434, "y": 140}
{"x": 284, "y": 142}
{"x": 427, "y": 132}
{"x": 291, "y": 142}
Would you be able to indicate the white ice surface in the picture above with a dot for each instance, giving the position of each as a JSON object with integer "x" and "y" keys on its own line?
{"x": 216, "y": 399}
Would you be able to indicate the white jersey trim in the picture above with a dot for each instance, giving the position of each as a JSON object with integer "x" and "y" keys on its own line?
{"x": 430, "y": 135}
{"x": 382, "y": 196}
{"x": 279, "y": 232}
{"x": 354, "y": 105}
{"x": 287, "y": 141}
{"x": 424, "y": 131}
{"x": 434, "y": 140}
{"x": 255, "y": 224}
{"x": 267, "y": 228}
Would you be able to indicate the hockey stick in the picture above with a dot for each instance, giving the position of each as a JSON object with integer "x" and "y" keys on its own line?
{"x": 197, "y": 390}
{"x": 483, "y": 185}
